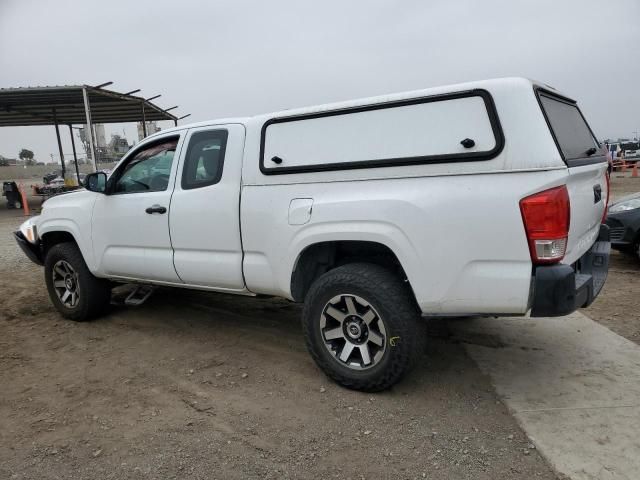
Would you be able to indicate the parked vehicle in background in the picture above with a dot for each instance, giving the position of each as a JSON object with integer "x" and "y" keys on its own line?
{"x": 483, "y": 198}
{"x": 623, "y": 220}
{"x": 630, "y": 151}
{"x": 50, "y": 176}
{"x": 12, "y": 193}
{"x": 56, "y": 182}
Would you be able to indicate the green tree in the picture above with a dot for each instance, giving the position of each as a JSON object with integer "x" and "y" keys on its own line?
{"x": 26, "y": 155}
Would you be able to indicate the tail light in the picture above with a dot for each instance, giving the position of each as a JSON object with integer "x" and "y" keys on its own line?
{"x": 546, "y": 217}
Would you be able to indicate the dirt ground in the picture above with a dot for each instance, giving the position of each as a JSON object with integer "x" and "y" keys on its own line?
{"x": 197, "y": 385}
{"x": 617, "y": 306}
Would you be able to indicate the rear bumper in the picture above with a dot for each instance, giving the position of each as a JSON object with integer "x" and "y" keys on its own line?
{"x": 561, "y": 289}
{"x": 32, "y": 251}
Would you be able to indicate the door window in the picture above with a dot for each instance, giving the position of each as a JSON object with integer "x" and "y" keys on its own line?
{"x": 149, "y": 170}
{"x": 204, "y": 159}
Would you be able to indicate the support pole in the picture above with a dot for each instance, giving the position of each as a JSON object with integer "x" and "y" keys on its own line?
{"x": 144, "y": 122}
{"x": 55, "y": 123}
{"x": 175, "y": 122}
{"x": 87, "y": 113}
{"x": 75, "y": 156}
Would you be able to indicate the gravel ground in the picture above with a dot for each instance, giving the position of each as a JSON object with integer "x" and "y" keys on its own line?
{"x": 196, "y": 385}
{"x": 617, "y": 305}
{"x": 210, "y": 386}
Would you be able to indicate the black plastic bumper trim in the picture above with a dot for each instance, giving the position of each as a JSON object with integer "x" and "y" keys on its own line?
{"x": 32, "y": 251}
{"x": 562, "y": 289}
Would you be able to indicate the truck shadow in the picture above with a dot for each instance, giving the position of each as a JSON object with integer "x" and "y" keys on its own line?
{"x": 270, "y": 326}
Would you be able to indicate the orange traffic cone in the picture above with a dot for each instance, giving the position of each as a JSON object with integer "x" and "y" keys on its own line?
{"x": 624, "y": 166}
{"x": 634, "y": 174}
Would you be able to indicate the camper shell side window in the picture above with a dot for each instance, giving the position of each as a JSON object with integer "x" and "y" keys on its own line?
{"x": 457, "y": 127}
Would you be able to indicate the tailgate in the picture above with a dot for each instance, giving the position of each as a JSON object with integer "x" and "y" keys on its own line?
{"x": 587, "y": 169}
{"x": 587, "y": 186}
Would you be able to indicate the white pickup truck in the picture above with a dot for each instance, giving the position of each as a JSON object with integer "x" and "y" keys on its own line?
{"x": 484, "y": 198}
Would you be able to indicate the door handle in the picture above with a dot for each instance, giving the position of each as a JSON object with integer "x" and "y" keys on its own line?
{"x": 597, "y": 193}
{"x": 156, "y": 209}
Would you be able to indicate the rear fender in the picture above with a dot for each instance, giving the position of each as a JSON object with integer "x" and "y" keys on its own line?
{"x": 384, "y": 233}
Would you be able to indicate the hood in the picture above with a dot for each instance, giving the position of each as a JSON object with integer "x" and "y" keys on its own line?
{"x": 67, "y": 197}
{"x": 625, "y": 199}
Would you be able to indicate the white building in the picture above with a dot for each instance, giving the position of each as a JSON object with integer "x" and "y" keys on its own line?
{"x": 101, "y": 139}
{"x": 152, "y": 127}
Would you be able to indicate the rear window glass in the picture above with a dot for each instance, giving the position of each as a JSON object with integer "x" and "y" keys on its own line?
{"x": 630, "y": 146}
{"x": 569, "y": 127}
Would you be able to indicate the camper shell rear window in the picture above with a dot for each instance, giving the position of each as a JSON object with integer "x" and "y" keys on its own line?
{"x": 570, "y": 130}
{"x": 461, "y": 126}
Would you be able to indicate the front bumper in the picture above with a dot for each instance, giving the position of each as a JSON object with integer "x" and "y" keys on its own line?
{"x": 562, "y": 289}
{"x": 33, "y": 252}
{"x": 623, "y": 229}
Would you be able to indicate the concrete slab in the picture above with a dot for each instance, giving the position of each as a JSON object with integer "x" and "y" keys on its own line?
{"x": 573, "y": 385}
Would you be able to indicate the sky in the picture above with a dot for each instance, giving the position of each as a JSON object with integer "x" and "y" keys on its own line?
{"x": 228, "y": 58}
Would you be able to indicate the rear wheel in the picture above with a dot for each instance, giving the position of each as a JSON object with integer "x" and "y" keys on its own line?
{"x": 362, "y": 326}
{"x": 73, "y": 290}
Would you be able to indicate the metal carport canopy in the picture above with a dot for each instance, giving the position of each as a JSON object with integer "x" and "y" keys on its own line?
{"x": 29, "y": 106}
{"x": 77, "y": 104}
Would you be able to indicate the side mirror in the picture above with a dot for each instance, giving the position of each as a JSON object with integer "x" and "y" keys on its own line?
{"x": 96, "y": 182}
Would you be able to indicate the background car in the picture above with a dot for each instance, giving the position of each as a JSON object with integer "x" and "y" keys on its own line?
{"x": 50, "y": 176}
{"x": 624, "y": 223}
{"x": 630, "y": 151}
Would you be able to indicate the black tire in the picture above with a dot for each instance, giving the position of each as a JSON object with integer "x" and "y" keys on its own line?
{"x": 393, "y": 303}
{"x": 94, "y": 294}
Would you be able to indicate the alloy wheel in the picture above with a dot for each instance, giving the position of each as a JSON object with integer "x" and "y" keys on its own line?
{"x": 65, "y": 283}
{"x": 353, "y": 332}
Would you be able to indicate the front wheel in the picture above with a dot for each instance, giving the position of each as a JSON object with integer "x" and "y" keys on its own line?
{"x": 73, "y": 289}
{"x": 362, "y": 326}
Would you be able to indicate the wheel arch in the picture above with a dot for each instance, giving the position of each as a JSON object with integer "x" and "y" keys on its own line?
{"x": 320, "y": 257}
{"x": 54, "y": 237}
{"x": 51, "y": 235}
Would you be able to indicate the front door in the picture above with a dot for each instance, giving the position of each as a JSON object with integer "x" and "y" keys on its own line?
{"x": 205, "y": 209}
{"x": 130, "y": 224}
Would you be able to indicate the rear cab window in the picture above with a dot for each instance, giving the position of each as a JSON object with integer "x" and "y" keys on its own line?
{"x": 570, "y": 131}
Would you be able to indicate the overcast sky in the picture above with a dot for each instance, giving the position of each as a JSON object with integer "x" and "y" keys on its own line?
{"x": 235, "y": 58}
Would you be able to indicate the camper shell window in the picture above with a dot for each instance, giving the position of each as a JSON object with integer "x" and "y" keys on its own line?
{"x": 424, "y": 130}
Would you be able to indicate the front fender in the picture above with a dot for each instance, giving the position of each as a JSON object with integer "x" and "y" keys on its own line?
{"x": 81, "y": 235}
{"x": 71, "y": 213}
